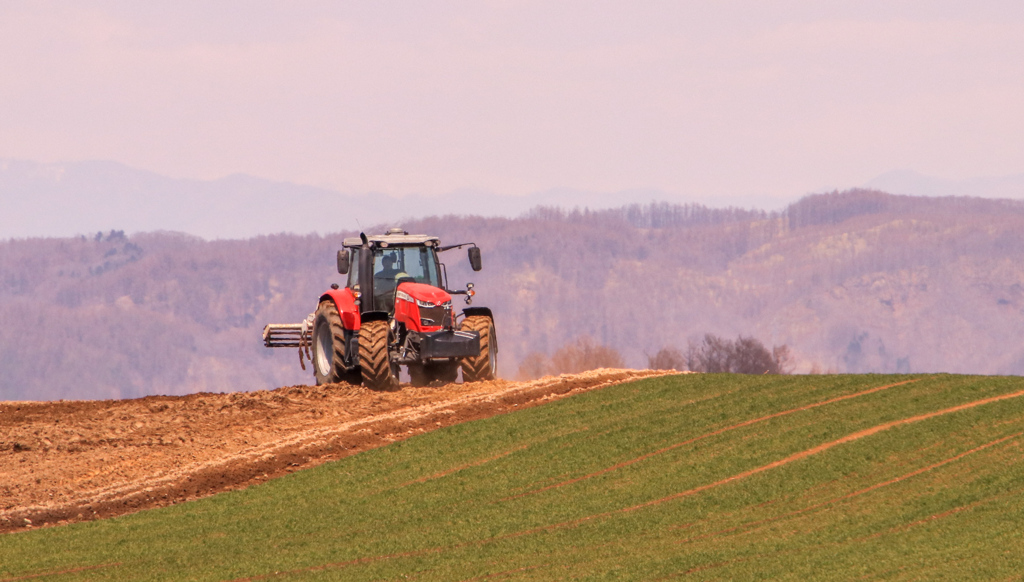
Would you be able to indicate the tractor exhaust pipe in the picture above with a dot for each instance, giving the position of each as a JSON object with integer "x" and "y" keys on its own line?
{"x": 365, "y": 275}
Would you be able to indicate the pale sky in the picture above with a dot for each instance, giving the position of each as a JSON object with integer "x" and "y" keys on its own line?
{"x": 742, "y": 99}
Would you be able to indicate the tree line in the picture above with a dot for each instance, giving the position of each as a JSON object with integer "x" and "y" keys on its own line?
{"x": 851, "y": 281}
{"x": 744, "y": 355}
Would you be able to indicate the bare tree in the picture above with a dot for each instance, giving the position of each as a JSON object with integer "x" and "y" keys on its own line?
{"x": 667, "y": 359}
{"x": 582, "y": 355}
{"x": 746, "y": 355}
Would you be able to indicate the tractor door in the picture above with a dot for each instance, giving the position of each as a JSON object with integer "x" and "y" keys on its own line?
{"x": 387, "y": 268}
{"x": 353, "y": 271}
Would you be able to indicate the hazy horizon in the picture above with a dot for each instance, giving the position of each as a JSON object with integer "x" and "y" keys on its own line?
{"x": 82, "y": 198}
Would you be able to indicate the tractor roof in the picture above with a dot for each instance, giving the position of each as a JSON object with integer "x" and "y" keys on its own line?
{"x": 395, "y": 236}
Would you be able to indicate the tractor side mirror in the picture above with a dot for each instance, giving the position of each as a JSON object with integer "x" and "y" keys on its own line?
{"x": 474, "y": 258}
{"x": 342, "y": 262}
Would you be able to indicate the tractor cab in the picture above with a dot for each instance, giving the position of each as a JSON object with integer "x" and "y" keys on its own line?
{"x": 394, "y": 264}
{"x": 400, "y": 267}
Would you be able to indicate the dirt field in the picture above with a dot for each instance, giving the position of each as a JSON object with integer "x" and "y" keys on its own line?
{"x": 62, "y": 462}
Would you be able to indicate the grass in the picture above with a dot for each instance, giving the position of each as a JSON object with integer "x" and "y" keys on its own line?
{"x": 689, "y": 477}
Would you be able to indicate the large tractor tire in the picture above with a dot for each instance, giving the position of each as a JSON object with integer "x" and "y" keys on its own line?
{"x": 484, "y": 366}
{"x": 330, "y": 363}
{"x": 374, "y": 359}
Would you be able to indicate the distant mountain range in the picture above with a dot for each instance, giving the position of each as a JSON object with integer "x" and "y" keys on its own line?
{"x": 67, "y": 199}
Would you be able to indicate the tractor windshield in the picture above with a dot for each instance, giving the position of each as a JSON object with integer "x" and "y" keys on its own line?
{"x": 392, "y": 264}
{"x": 417, "y": 262}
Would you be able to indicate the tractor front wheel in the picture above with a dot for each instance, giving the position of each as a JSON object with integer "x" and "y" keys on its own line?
{"x": 374, "y": 358}
{"x": 484, "y": 366}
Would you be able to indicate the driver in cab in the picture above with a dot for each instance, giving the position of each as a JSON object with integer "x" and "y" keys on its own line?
{"x": 386, "y": 280}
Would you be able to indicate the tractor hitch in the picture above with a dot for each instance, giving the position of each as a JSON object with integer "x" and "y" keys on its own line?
{"x": 450, "y": 344}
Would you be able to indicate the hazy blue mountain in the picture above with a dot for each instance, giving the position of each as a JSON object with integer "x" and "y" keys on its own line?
{"x": 916, "y": 184}
{"x": 68, "y": 199}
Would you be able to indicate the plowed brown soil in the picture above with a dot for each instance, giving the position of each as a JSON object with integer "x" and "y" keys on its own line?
{"x": 71, "y": 461}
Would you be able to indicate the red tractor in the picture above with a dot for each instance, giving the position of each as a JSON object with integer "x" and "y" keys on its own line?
{"x": 395, "y": 310}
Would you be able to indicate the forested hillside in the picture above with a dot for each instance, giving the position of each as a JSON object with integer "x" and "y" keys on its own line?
{"x": 853, "y": 282}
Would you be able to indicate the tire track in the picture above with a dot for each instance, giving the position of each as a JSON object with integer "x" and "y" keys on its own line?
{"x": 755, "y": 524}
{"x": 453, "y": 470}
{"x": 775, "y": 464}
{"x": 717, "y": 432}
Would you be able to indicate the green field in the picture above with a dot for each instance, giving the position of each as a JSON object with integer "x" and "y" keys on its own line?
{"x": 687, "y": 477}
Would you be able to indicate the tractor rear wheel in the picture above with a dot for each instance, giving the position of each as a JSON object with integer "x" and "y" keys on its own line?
{"x": 484, "y": 366}
{"x": 374, "y": 359}
{"x": 329, "y": 358}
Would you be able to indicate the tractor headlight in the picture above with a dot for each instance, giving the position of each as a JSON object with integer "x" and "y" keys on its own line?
{"x": 428, "y": 305}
